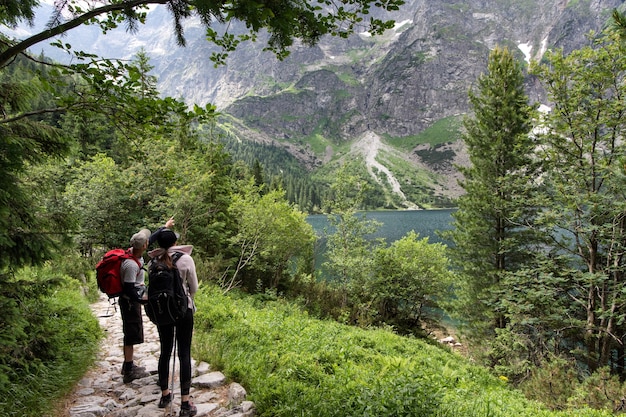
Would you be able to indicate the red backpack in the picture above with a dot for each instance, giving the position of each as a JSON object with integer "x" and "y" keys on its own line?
{"x": 108, "y": 274}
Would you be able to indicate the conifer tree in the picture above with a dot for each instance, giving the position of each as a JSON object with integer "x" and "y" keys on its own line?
{"x": 24, "y": 143}
{"x": 488, "y": 235}
{"x": 257, "y": 173}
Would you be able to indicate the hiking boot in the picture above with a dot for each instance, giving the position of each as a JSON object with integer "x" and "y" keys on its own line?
{"x": 136, "y": 372}
{"x": 139, "y": 368}
{"x": 189, "y": 411}
{"x": 165, "y": 400}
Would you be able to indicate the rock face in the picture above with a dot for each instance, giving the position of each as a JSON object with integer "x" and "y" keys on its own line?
{"x": 399, "y": 85}
{"x": 101, "y": 391}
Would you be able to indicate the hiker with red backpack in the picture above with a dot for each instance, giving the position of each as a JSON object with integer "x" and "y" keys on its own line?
{"x": 179, "y": 329}
{"x": 130, "y": 301}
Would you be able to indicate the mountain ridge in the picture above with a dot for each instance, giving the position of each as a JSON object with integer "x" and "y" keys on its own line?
{"x": 407, "y": 87}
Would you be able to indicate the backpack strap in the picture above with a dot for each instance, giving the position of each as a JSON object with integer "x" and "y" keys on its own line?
{"x": 129, "y": 251}
{"x": 176, "y": 256}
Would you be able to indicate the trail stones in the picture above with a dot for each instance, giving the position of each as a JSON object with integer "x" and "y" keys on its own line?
{"x": 101, "y": 392}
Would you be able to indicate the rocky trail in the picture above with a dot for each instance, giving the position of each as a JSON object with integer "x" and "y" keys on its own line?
{"x": 101, "y": 392}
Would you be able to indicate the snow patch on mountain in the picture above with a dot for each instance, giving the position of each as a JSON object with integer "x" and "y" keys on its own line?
{"x": 526, "y": 49}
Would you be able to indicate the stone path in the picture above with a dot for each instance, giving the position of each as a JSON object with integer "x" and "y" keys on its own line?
{"x": 101, "y": 392}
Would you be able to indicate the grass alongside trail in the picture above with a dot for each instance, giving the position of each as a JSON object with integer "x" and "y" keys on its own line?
{"x": 47, "y": 350}
{"x": 294, "y": 365}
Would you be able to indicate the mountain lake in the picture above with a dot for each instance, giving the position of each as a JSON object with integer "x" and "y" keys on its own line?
{"x": 394, "y": 226}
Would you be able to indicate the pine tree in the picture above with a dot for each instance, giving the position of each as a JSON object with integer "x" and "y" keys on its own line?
{"x": 489, "y": 237}
{"x": 24, "y": 143}
{"x": 257, "y": 173}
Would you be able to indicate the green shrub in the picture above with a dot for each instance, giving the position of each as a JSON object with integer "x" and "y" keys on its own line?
{"x": 293, "y": 365}
{"x": 48, "y": 338}
{"x": 599, "y": 390}
{"x": 559, "y": 385}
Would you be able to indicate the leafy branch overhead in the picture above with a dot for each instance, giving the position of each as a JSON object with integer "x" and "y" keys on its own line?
{"x": 284, "y": 20}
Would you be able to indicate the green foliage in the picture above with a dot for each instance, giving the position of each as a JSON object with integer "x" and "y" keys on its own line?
{"x": 537, "y": 301}
{"x": 348, "y": 250}
{"x": 127, "y": 94}
{"x": 552, "y": 384}
{"x": 271, "y": 236}
{"x": 291, "y": 364}
{"x": 48, "y": 338}
{"x": 319, "y": 297}
{"x": 349, "y": 260}
{"x": 583, "y": 211}
{"x": 108, "y": 223}
{"x": 434, "y": 158}
{"x": 12, "y": 11}
{"x": 281, "y": 170}
{"x": 284, "y": 20}
{"x": 601, "y": 390}
{"x": 34, "y": 215}
{"x": 191, "y": 184}
{"x": 409, "y": 276}
{"x": 415, "y": 182}
{"x": 373, "y": 284}
{"x": 319, "y": 144}
{"x": 443, "y": 130}
{"x": 24, "y": 143}
{"x": 199, "y": 195}
{"x": 352, "y": 187}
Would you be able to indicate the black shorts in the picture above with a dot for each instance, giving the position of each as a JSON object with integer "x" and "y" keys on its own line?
{"x": 132, "y": 321}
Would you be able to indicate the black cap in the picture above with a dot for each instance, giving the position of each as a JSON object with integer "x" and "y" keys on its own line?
{"x": 166, "y": 238}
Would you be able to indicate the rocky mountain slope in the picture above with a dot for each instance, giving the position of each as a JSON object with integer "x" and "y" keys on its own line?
{"x": 406, "y": 89}
{"x": 400, "y": 85}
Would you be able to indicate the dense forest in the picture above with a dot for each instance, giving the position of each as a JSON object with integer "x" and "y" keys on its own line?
{"x": 91, "y": 153}
{"x": 275, "y": 168}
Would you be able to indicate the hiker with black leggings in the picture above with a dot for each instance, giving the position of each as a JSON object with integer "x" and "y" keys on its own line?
{"x": 182, "y": 329}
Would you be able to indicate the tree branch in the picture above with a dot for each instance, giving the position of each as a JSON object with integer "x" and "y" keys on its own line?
{"x": 9, "y": 53}
{"x": 32, "y": 113}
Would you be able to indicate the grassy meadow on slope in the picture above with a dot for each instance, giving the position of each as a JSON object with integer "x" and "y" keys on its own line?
{"x": 295, "y": 365}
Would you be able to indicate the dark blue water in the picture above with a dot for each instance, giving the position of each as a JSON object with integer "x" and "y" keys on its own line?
{"x": 396, "y": 224}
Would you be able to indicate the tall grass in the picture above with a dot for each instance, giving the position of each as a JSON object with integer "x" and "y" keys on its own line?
{"x": 51, "y": 352}
{"x": 294, "y": 365}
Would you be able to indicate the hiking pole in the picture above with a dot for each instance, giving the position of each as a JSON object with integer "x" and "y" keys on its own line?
{"x": 173, "y": 375}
